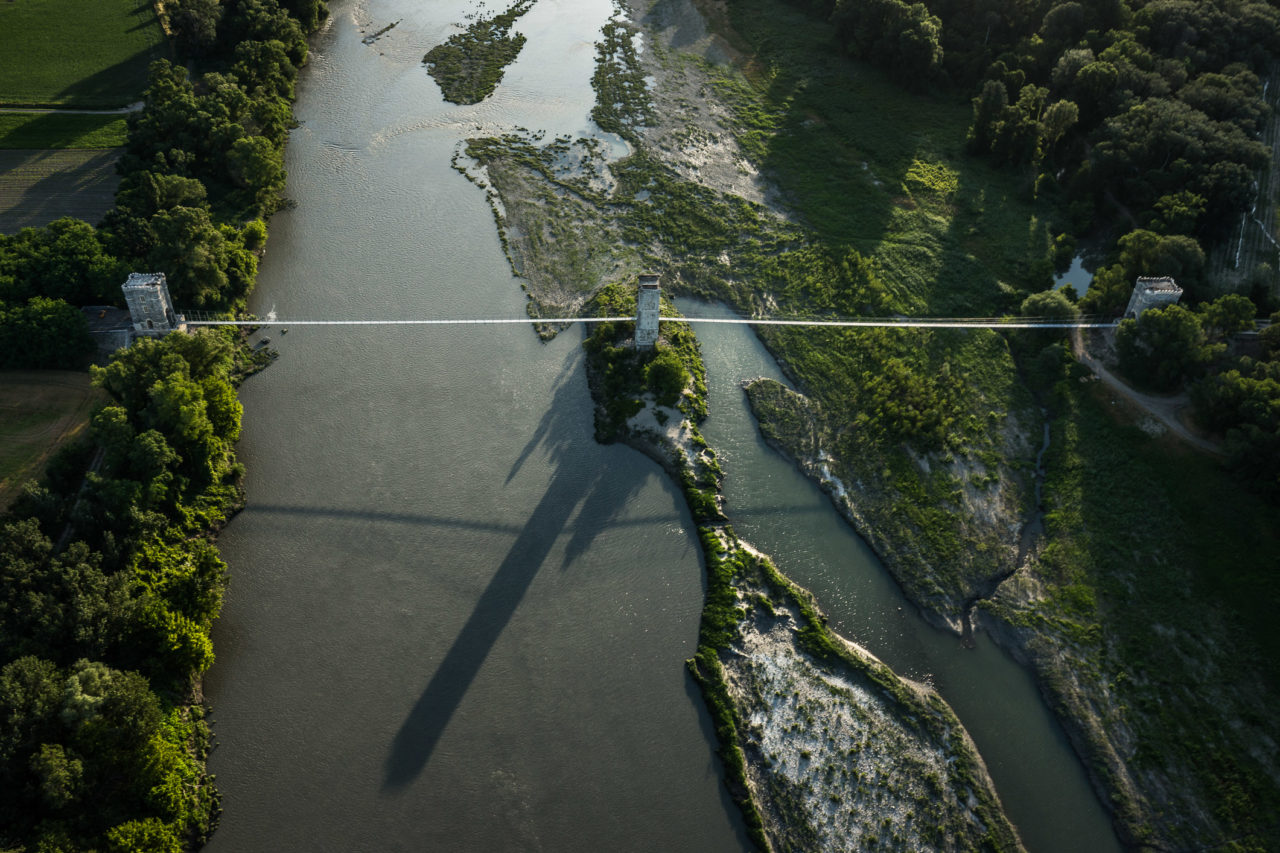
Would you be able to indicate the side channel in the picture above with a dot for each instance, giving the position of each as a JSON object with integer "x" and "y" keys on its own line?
{"x": 777, "y": 509}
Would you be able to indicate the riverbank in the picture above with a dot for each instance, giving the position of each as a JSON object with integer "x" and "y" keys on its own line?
{"x": 824, "y": 746}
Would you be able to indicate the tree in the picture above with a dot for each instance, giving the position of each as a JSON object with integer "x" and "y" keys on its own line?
{"x": 667, "y": 377}
{"x": 1064, "y": 24}
{"x": 147, "y": 193}
{"x": 195, "y": 25}
{"x": 64, "y": 260}
{"x": 43, "y": 333}
{"x": 1058, "y": 118}
{"x": 988, "y": 115}
{"x": 58, "y": 607}
{"x": 1051, "y": 305}
{"x": 59, "y": 774}
{"x": 132, "y": 372}
{"x": 192, "y": 253}
{"x": 1227, "y": 315}
{"x": 265, "y": 66}
{"x": 1234, "y": 98}
{"x": 1160, "y": 146}
{"x": 1177, "y": 213}
{"x": 1144, "y": 253}
{"x": 308, "y": 12}
{"x": 1244, "y": 403}
{"x": 1270, "y": 338}
{"x": 30, "y": 695}
{"x": 257, "y": 167}
{"x": 892, "y": 34}
{"x": 178, "y": 411}
{"x": 150, "y": 835}
{"x": 264, "y": 20}
{"x": 1164, "y": 347}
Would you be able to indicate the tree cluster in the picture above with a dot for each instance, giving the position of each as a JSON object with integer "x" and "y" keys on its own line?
{"x": 904, "y": 38}
{"x": 100, "y": 639}
{"x": 469, "y": 65}
{"x": 1238, "y": 398}
{"x": 1148, "y": 112}
{"x": 43, "y": 333}
{"x": 1166, "y": 347}
{"x": 1242, "y": 402}
{"x": 1137, "y": 116}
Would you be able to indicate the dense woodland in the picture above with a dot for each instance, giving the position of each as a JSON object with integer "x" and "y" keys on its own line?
{"x": 1140, "y": 117}
{"x": 1140, "y": 123}
{"x": 109, "y": 581}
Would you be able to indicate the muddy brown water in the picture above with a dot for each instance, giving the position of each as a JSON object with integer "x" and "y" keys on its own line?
{"x": 455, "y": 621}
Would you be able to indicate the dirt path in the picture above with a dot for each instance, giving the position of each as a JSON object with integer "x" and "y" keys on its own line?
{"x": 132, "y": 108}
{"x": 1163, "y": 409}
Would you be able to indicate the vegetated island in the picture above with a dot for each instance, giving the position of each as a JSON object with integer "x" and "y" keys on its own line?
{"x": 825, "y": 748}
{"x": 770, "y": 171}
{"x": 470, "y": 64}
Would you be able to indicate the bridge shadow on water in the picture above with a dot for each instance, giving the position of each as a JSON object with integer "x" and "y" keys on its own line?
{"x": 574, "y": 488}
{"x": 579, "y": 526}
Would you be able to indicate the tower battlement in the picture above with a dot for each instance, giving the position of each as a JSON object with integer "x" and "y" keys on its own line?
{"x": 1152, "y": 292}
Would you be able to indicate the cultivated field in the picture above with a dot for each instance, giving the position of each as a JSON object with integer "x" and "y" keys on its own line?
{"x": 62, "y": 130}
{"x": 71, "y": 53}
{"x": 40, "y": 410}
{"x": 37, "y": 187}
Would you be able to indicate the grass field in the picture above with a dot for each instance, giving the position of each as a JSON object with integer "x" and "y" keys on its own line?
{"x": 1165, "y": 568}
{"x": 69, "y": 53}
{"x": 61, "y": 130}
{"x": 40, "y": 410}
{"x": 37, "y": 187}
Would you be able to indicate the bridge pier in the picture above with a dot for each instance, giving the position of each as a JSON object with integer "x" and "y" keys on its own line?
{"x": 648, "y": 309}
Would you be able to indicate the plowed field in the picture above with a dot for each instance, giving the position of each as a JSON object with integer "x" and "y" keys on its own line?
{"x": 40, "y": 410}
{"x": 37, "y": 187}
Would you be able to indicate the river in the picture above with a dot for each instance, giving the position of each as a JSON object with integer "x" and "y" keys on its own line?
{"x": 455, "y": 621}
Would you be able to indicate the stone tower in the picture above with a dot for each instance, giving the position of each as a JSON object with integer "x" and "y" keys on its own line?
{"x": 648, "y": 299}
{"x": 1152, "y": 293}
{"x": 150, "y": 308}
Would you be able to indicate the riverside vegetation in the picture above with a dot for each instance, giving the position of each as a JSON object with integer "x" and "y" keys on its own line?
{"x": 824, "y": 747}
{"x": 1144, "y": 624}
{"x": 109, "y": 580}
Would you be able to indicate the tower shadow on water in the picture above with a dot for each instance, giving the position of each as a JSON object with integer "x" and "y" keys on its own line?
{"x": 574, "y": 488}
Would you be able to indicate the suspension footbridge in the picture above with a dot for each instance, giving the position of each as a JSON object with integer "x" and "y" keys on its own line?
{"x": 198, "y": 319}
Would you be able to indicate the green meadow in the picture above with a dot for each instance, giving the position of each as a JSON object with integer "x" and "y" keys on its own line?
{"x": 61, "y": 130}
{"x": 69, "y": 53}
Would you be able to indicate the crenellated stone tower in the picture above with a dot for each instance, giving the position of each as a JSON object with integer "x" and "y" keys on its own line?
{"x": 1153, "y": 292}
{"x": 150, "y": 308}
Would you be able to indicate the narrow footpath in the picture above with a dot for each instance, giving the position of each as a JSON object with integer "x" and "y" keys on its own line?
{"x": 1163, "y": 409}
